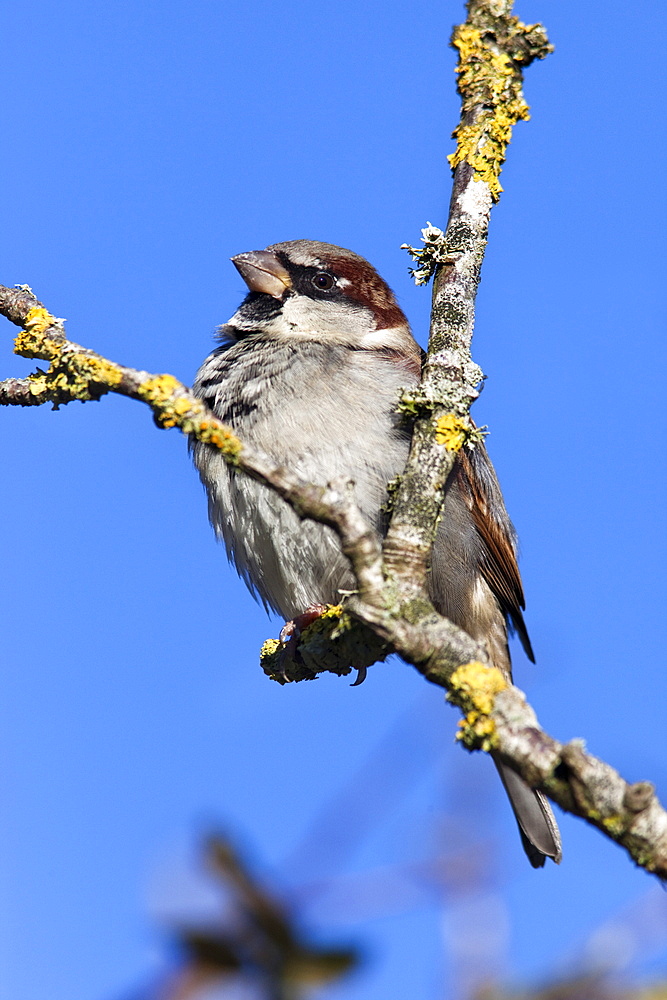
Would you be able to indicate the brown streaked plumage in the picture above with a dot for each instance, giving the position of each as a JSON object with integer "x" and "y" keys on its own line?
{"x": 498, "y": 564}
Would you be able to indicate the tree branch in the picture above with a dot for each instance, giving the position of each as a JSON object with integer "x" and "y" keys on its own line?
{"x": 390, "y": 609}
{"x": 493, "y": 47}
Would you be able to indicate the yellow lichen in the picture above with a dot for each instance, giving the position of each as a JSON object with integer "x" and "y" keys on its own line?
{"x": 489, "y": 82}
{"x": 72, "y": 374}
{"x": 477, "y": 730}
{"x": 271, "y": 660}
{"x": 174, "y": 407}
{"x": 332, "y": 623}
{"x": 614, "y": 825}
{"x": 332, "y": 611}
{"x": 215, "y": 434}
{"x": 476, "y": 686}
{"x": 159, "y": 389}
{"x": 451, "y": 431}
{"x": 37, "y": 384}
{"x": 174, "y": 412}
{"x": 269, "y": 648}
{"x": 78, "y": 375}
{"x": 95, "y": 368}
{"x": 32, "y": 341}
{"x": 182, "y": 406}
{"x": 39, "y": 320}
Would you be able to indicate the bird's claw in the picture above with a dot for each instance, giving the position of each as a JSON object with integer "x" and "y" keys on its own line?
{"x": 291, "y": 630}
{"x": 290, "y": 634}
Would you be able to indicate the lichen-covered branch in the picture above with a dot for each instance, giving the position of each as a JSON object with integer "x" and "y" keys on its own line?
{"x": 493, "y": 48}
{"x": 257, "y": 939}
{"x": 390, "y": 610}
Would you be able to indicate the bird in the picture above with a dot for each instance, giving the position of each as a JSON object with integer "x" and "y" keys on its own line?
{"x": 309, "y": 370}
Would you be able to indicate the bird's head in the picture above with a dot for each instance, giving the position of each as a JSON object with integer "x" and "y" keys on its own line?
{"x": 305, "y": 290}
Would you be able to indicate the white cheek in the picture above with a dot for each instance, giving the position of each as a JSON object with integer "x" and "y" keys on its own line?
{"x": 307, "y": 316}
{"x": 393, "y": 337}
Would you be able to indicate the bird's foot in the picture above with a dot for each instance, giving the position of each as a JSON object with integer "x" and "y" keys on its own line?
{"x": 291, "y": 630}
{"x": 291, "y": 633}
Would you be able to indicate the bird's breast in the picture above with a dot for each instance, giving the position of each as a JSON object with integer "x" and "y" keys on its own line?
{"x": 324, "y": 413}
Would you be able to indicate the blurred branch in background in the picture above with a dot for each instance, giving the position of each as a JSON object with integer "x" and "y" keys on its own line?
{"x": 257, "y": 949}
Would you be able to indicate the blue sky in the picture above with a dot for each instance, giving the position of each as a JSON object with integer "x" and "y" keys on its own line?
{"x": 147, "y": 144}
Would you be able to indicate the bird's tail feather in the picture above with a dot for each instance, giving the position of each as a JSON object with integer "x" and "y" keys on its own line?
{"x": 537, "y": 824}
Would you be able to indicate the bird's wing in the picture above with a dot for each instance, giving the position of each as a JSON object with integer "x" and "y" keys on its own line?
{"x": 499, "y": 568}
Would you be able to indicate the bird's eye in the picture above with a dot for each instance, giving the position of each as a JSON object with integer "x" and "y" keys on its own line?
{"x": 323, "y": 280}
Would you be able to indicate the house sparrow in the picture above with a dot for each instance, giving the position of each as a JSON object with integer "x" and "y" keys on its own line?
{"x": 309, "y": 370}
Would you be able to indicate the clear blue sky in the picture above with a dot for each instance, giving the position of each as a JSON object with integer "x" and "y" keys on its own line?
{"x": 147, "y": 143}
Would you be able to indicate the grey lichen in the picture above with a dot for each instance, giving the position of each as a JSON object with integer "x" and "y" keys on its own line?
{"x": 437, "y": 249}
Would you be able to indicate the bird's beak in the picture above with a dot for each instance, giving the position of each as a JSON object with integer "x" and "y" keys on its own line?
{"x": 262, "y": 272}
